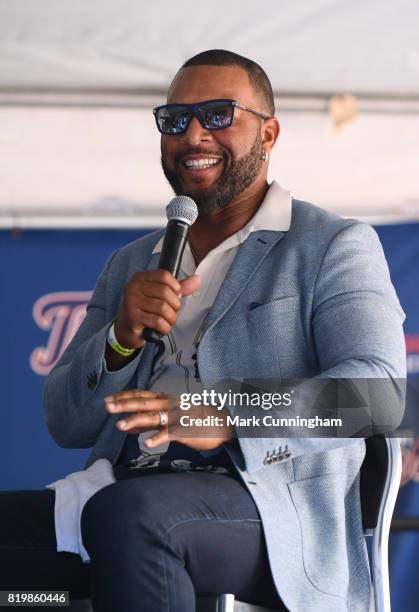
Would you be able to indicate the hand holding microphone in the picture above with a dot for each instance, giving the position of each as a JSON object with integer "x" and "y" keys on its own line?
{"x": 181, "y": 213}
{"x": 151, "y": 298}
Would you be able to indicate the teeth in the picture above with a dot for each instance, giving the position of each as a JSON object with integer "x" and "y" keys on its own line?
{"x": 201, "y": 163}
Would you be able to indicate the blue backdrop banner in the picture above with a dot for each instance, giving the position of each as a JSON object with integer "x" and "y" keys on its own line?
{"x": 47, "y": 279}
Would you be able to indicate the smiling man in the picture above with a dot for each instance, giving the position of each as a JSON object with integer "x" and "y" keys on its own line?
{"x": 270, "y": 287}
{"x": 215, "y": 170}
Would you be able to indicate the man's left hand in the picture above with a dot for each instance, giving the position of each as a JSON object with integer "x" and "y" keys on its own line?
{"x": 142, "y": 410}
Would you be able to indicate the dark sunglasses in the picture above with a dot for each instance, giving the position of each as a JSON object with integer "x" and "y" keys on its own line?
{"x": 211, "y": 114}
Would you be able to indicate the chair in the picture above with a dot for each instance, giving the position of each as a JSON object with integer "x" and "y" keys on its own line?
{"x": 380, "y": 480}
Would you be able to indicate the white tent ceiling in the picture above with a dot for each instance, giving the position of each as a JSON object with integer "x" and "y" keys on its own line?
{"x": 117, "y": 57}
{"x": 305, "y": 45}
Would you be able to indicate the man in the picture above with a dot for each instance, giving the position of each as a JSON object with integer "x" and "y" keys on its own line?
{"x": 271, "y": 287}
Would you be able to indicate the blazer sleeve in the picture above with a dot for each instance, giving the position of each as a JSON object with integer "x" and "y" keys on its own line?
{"x": 75, "y": 389}
{"x": 357, "y": 329}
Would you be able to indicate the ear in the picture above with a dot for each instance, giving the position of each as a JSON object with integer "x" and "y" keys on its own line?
{"x": 269, "y": 133}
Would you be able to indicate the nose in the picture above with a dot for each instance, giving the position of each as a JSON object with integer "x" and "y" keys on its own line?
{"x": 195, "y": 133}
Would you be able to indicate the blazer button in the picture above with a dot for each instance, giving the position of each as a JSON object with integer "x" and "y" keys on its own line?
{"x": 92, "y": 379}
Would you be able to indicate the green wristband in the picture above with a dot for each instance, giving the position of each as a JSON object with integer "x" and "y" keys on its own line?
{"x": 114, "y": 344}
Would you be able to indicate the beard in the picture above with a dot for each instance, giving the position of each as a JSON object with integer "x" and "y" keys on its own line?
{"x": 236, "y": 177}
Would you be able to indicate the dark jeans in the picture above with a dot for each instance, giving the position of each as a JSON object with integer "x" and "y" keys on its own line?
{"x": 154, "y": 541}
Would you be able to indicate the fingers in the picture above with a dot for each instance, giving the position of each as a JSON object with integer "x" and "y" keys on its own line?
{"x": 150, "y": 299}
{"x": 136, "y": 404}
{"x": 157, "y": 322}
{"x": 161, "y": 276}
{"x": 153, "y": 284}
{"x": 130, "y": 393}
{"x": 190, "y": 284}
{"x": 159, "y": 308}
{"x": 158, "y": 438}
{"x": 145, "y": 404}
{"x": 139, "y": 422}
{"x": 160, "y": 292}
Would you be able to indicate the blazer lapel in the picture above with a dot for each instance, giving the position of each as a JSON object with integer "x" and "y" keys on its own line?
{"x": 246, "y": 263}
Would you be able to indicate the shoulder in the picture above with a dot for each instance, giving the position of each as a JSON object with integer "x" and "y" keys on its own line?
{"x": 318, "y": 227}
{"x": 308, "y": 216}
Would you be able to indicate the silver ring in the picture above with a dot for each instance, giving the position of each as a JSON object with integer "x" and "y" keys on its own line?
{"x": 163, "y": 418}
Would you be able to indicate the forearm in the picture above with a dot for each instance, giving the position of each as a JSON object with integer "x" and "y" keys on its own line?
{"x": 75, "y": 390}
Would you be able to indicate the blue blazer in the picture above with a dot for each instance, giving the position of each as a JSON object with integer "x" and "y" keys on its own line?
{"x": 316, "y": 300}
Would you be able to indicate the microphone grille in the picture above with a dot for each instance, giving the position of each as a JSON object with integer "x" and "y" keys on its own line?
{"x": 183, "y": 208}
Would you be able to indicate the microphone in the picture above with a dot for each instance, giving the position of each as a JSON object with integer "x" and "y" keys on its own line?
{"x": 181, "y": 213}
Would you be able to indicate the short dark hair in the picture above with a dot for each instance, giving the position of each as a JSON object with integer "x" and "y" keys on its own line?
{"x": 257, "y": 76}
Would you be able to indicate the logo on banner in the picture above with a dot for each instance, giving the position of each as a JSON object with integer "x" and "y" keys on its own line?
{"x": 60, "y": 314}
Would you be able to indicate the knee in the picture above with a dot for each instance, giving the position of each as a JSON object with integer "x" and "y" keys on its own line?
{"x": 97, "y": 515}
{"x": 119, "y": 510}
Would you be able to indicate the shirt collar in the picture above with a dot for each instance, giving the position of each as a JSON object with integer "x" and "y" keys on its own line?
{"x": 273, "y": 214}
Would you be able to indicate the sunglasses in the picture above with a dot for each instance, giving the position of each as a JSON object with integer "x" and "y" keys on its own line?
{"x": 211, "y": 114}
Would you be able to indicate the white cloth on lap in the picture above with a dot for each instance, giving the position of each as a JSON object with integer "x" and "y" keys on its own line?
{"x": 71, "y": 495}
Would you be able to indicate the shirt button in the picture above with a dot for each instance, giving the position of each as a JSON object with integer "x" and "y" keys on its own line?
{"x": 196, "y": 293}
